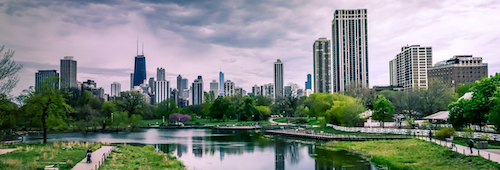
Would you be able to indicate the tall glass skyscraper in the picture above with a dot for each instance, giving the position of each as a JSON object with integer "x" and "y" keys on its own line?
{"x": 68, "y": 73}
{"x": 350, "y": 49}
{"x": 221, "y": 88}
{"x": 322, "y": 66}
{"x": 308, "y": 82}
{"x": 139, "y": 70}
{"x": 278, "y": 79}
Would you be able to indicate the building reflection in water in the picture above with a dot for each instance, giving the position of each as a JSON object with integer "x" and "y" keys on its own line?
{"x": 293, "y": 152}
{"x": 279, "y": 154}
{"x": 221, "y": 151}
{"x": 181, "y": 149}
{"x": 198, "y": 147}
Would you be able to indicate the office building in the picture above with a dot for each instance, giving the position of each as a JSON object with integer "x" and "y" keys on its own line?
{"x": 214, "y": 86}
{"x": 229, "y": 88}
{"x": 160, "y": 74}
{"x": 68, "y": 72}
{"x": 256, "y": 90}
{"x": 185, "y": 84}
{"x": 46, "y": 77}
{"x": 349, "y": 50}
{"x": 222, "y": 82}
{"x": 409, "y": 68}
{"x": 300, "y": 93}
{"x": 308, "y": 82}
{"x": 268, "y": 90}
{"x": 278, "y": 79}
{"x": 288, "y": 91}
{"x": 162, "y": 91}
{"x": 131, "y": 81}
{"x": 179, "y": 81}
{"x": 197, "y": 91}
{"x": 139, "y": 70}
{"x": 152, "y": 85}
{"x": 459, "y": 69}
{"x": 322, "y": 66}
{"x": 239, "y": 91}
{"x": 91, "y": 86}
{"x": 115, "y": 89}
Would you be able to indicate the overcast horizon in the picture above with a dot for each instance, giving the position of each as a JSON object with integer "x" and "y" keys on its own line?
{"x": 241, "y": 38}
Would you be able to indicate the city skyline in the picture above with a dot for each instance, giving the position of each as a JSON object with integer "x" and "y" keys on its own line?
{"x": 106, "y": 56}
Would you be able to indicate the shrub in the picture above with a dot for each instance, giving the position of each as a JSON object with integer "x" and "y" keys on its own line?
{"x": 445, "y": 133}
{"x": 301, "y": 121}
{"x": 485, "y": 137}
{"x": 69, "y": 163}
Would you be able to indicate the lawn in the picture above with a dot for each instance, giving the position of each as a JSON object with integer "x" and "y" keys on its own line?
{"x": 413, "y": 154}
{"x": 33, "y": 156}
{"x": 463, "y": 142}
{"x": 331, "y": 130}
{"x": 294, "y": 120}
{"x": 135, "y": 157}
{"x": 208, "y": 122}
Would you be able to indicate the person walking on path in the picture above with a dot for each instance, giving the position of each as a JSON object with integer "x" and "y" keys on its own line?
{"x": 471, "y": 144}
{"x": 430, "y": 135}
{"x": 89, "y": 154}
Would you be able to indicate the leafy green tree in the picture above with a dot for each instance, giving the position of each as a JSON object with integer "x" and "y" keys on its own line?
{"x": 8, "y": 111}
{"x": 459, "y": 112}
{"x": 131, "y": 102}
{"x": 108, "y": 108}
{"x": 436, "y": 97}
{"x": 383, "y": 110}
{"x": 221, "y": 107}
{"x": 248, "y": 110}
{"x": 462, "y": 88}
{"x": 196, "y": 109}
{"x": 481, "y": 103}
{"x": 262, "y": 100}
{"x": 344, "y": 110}
{"x": 167, "y": 107}
{"x": 119, "y": 118}
{"x": 48, "y": 107}
{"x": 209, "y": 99}
{"x": 318, "y": 104}
{"x": 494, "y": 115}
{"x": 264, "y": 112}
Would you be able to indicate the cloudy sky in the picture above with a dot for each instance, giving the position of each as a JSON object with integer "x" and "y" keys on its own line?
{"x": 243, "y": 38}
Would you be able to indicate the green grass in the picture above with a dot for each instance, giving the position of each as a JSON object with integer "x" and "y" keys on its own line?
{"x": 135, "y": 157}
{"x": 331, "y": 130}
{"x": 32, "y": 156}
{"x": 413, "y": 154}
{"x": 152, "y": 122}
{"x": 463, "y": 142}
{"x": 208, "y": 122}
{"x": 310, "y": 120}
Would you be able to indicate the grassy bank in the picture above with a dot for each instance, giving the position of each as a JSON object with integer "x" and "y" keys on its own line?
{"x": 34, "y": 156}
{"x": 413, "y": 154}
{"x": 331, "y": 130}
{"x": 134, "y": 157}
{"x": 208, "y": 122}
{"x": 463, "y": 142}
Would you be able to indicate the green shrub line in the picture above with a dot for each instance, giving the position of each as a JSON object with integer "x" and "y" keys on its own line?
{"x": 413, "y": 154}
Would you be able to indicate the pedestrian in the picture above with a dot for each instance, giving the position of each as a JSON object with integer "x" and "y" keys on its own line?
{"x": 430, "y": 135}
{"x": 471, "y": 144}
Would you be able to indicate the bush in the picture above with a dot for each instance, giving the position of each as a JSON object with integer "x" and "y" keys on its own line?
{"x": 445, "y": 133}
{"x": 301, "y": 121}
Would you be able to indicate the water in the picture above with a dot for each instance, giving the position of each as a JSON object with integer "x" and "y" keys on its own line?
{"x": 203, "y": 149}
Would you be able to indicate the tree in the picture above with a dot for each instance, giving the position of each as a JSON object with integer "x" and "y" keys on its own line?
{"x": 248, "y": 110}
{"x": 49, "y": 107}
{"x": 318, "y": 104}
{"x": 263, "y": 101}
{"x": 108, "y": 108}
{"x": 368, "y": 96}
{"x": 459, "y": 112}
{"x": 436, "y": 97}
{"x": 131, "y": 102}
{"x": 7, "y": 112}
{"x": 494, "y": 115}
{"x": 264, "y": 112}
{"x": 167, "y": 107}
{"x": 221, "y": 107}
{"x": 344, "y": 110}
{"x": 209, "y": 99}
{"x": 461, "y": 89}
{"x": 383, "y": 110}
{"x": 481, "y": 101}
{"x": 8, "y": 70}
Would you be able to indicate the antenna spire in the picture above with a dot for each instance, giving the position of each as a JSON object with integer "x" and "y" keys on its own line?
{"x": 137, "y": 45}
{"x": 142, "y": 48}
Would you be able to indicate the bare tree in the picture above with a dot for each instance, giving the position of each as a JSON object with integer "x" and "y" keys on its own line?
{"x": 8, "y": 70}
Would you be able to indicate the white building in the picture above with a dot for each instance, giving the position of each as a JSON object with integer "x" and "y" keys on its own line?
{"x": 278, "y": 79}
{"x": 409, "y": 68}
{"x": 197, "y": 91}
{"x": 115, "y": 89}
{"x": 229, "y": 88}
{"x": 256, "y": 90}
{"x": 162, "y": 91}
{"x": 214, "y": 86}
{"x": 160, "y": 74}
{"x": 268, "y": 90}
{"x": 240, "y": 91}
{"x": 349, "y": 49}
{"x": 322, "y": 66}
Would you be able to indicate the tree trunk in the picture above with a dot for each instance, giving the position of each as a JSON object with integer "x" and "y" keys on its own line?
{"x": 44, "y": 123}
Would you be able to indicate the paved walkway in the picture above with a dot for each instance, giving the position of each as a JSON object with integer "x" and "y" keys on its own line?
{"x": 4, "y": 151}
{"x": 491, "y": 154}
{"x": 98, "y": 158}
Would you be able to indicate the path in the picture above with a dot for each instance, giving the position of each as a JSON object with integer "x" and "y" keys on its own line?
{"x": 98, "y": 157}
{"x": 491, "y": 154}
{"x": 273, "y": 122}
{"x": 4, "y": 151}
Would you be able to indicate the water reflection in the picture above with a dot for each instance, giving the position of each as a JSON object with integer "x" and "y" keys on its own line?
{"x": 207, "y": 149}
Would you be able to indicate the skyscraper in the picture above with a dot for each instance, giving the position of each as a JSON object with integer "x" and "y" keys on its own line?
{"x": 288, "y": 91}
{"x": 198, "y": 91}
{"x": 160, "y": 74}
{"x": 46, "y": 77}
{"x": 68, "y": 72}
{"x": 179, "y": 82}
{"x": 115, "y": 89}
{"x": 185, "y": 84}
{"x": 409, "y": 67}
{"x": 268, "y": 90}
{"x": 308, "y": 82}
{"x": 214, "y": 86}
{"x": 322, "y": 66}
{"x": 229, "y": 88}
{"x": 256, "y": 90}
{"x": 162, "y": 91}
{"x": 278, "y": 79}
{"x": 350, "y": 49}
{"x": 131, "y": 81}
{"x": 139, "y": 70}
{"x": 221, "y": 80}
{"x": 152, "y": 85}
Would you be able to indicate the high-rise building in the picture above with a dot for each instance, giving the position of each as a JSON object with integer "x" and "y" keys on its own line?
{"x": 162, "y": 91}
{"x": 115, "y": 89}
{"x": 256, "y": 90}
{"x": 179, "y": 81}
{"x": 459, "y": 69}
{"x": 139, "y": 70}
{"x": 288, "y": 91}
{"x": 131, "y": 81}
{"x": 300, "y": 93}
{"x": 214, "y": 86}
{"x": 349, "y": 50}
{"x": 91, "y": 86}
{"x": 185, "y": 84}
{"x": 239, "y": 91}
{"x": 46, "y": 77}
{"x": 409, "y": 68}
{"x": 278, "y": 79}
{"x": 198, "y": 91}
{"x": 268, "y": 90}
{"x": 229, "y": 88}
{"x": 160, "y": 74}
{"x": 68, "y": 72}
{"x": 308, "y": 82}
{"x": 322, "y": 66}
{"x": 152, "y": 85}
{"x": 221, "y": 80}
